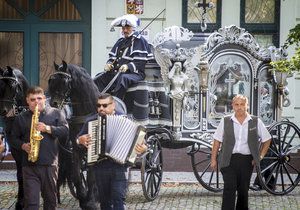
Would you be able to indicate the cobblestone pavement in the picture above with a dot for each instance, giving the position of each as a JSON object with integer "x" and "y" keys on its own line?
{"x": 171, "y": 196}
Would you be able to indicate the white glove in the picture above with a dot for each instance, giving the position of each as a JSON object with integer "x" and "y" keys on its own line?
{"x": 108, "y": 67}
{"x": 123, "y": 68}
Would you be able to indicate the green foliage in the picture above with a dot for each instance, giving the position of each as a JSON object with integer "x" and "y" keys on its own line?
{"x": 293, "y": 64}
{"x": 293, "y": 37}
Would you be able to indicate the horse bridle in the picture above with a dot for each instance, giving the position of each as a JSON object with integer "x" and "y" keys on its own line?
{"x": 68, "y": 79}
{"x": 17, "y": 89}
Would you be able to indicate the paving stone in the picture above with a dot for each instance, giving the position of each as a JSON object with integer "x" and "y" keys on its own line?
{"x": 172, "y": 196}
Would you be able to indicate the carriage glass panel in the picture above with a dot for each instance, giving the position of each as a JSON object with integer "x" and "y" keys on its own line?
{"x": 191, "y": 110}
{"x": 266, "y": 94}
{"x": 230, "y": 74}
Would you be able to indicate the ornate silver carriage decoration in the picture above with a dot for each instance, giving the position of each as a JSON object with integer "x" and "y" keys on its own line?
{"x": 200, "y": 82}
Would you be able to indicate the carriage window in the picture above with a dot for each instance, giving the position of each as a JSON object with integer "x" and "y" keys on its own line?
{"x": 11, "y": 49}
{"x": 57, "y": 47}
{"x": 229, "y": 75}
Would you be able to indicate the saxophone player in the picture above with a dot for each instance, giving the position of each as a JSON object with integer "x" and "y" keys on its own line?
{"x": 39, "y": 173}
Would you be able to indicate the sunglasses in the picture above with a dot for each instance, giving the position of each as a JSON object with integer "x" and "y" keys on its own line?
{"x": 37, "y": 98}
{"x": 103, "y": 105}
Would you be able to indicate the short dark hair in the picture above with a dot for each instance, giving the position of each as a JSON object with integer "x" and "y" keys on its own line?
{"x": 105, "y": 96}
{"x": 34, "y": 90}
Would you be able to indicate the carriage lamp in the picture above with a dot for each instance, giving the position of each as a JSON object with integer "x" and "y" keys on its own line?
{"x": 203, "y": 68}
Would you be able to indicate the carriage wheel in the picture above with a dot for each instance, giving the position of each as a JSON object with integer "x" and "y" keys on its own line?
{"x": 151, "y": 171}
{"x": 280, "y": 171}
{"x": 200, "y": 158}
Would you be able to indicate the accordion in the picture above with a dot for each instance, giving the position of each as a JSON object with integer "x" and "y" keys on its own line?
{"x": 114, "y": 136}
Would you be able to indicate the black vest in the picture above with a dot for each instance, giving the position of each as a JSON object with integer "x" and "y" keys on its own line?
{"x": 229, "y": 141}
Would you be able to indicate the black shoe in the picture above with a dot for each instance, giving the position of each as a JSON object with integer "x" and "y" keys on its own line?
{"x": 19, "y": 206}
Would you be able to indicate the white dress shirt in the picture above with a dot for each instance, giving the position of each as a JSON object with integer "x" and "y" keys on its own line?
{"x": 241, "y": 134}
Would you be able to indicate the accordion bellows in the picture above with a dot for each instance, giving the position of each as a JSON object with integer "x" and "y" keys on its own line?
{"x": 114, "y": 136}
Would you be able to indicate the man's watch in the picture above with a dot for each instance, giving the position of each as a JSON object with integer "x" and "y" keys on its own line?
{"x": 48, "y": 129}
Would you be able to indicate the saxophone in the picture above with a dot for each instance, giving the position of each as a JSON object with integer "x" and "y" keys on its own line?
{"x": 35, "y": 137}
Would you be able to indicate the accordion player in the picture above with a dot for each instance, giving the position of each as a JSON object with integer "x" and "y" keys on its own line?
{"x": 115, "y": 137}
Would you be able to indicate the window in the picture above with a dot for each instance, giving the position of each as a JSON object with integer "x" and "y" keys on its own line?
{"x": 262, "y": 19}
{"x": 191, "y": 15}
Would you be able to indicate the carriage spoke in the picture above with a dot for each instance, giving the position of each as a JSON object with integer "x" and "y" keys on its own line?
{"x": 147, "y": 171}
{"x": 268, "y": 167}
{"x": 210, "y": 178}
{"x": 271, "y": 173}
{"x": 156, "y": 156}
{"x": 296, "y": 147}
{"x": 200, "y": 162}
{"x": 205, "y": 152}
{"x": 156, "y": 183}
{"x": 293, "y": 168}
{"x": 287, "y": 131}
{"x": 147, "y": 177}
{"x": 205, "y": 170}
{"x": 158, "y": 175}
{"x": 275, "y": 152}
{"x": 282, "y": 179}
{"x": 273, "y": 146}
{"x": 149, "y": 187}
{"x": 288, "y": 174}
{"x": 289, "y": 143}
{"x": 153, "y": 185}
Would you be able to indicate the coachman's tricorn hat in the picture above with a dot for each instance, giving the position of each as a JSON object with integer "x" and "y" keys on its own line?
{"x": 125, "y": 20}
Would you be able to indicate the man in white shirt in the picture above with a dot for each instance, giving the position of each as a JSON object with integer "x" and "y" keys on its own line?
{"x": 240, "y": 136}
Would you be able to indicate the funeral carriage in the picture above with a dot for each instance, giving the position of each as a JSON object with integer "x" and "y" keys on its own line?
{"x": 184, "y": 97}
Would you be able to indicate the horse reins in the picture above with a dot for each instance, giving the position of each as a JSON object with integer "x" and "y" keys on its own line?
{"x": 13, "y": 101}
{"x": 67, "y": 93}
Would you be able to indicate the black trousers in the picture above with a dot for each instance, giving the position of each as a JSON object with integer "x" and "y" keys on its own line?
{"x": 237, "y": 179}
{"x": 38, "y": 179}
{"x": 17, "y": 155}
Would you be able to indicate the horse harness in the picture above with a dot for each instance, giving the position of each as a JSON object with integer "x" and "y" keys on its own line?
{"x": 17, "y": 89}
{"x": 68, "y": 78}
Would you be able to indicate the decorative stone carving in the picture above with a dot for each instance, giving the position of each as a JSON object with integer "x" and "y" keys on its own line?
{"x": 174, "y": 34}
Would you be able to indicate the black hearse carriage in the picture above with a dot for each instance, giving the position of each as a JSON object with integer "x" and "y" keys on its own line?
{"x": 183, "y": 99}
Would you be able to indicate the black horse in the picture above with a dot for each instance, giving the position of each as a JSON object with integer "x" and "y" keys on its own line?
{"x": 75, "y": 84}
{"x": 13, "y": 87}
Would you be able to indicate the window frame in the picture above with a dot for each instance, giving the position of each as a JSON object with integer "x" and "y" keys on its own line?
{"x": 195, "y": 27}
{"x": 262, "y": 28}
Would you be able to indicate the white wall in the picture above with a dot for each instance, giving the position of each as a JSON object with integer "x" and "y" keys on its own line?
{"x": 228, "y": 16}
{"x": 289, "y": 14}
{"x": 98, "y": 37}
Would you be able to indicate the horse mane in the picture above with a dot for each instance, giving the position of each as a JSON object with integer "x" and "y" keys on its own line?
{"x": 85, "y": 90}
